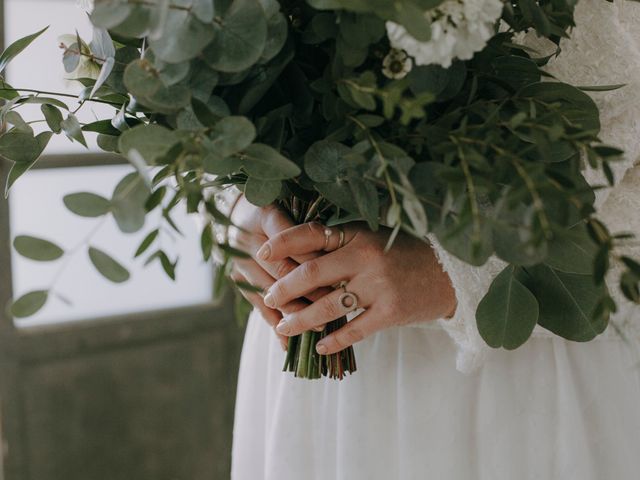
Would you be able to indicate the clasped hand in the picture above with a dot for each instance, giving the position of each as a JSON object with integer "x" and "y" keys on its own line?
{"x": 296, "y": 262}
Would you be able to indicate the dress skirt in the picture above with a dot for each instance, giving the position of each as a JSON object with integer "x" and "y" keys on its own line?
{"x": 552, "y": 409}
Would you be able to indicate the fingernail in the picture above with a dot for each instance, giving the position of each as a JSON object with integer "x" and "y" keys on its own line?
{"x": 284, "y": 346}
{"x": 264, "y": 252}
{"x": 319, "y": 328}
{"x": 283, "y": 327}
{"x": 268, "y": 300}
{"x": 321, "y": 349}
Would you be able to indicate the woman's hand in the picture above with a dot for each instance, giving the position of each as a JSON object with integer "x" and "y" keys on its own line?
{"x": 254, "y": 226}
{"x": 404, "y": 285}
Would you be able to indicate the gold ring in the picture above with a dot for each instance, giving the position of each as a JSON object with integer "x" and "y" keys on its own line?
{"x": 341, "y": 241}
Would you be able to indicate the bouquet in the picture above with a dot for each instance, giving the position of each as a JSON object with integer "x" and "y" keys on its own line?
{"x": 429, "y": 117}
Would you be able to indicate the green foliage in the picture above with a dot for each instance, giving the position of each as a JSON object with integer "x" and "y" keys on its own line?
{"x": 37, "y": 248}
{"x": 29, "y": 304}
{"x": 507, "y": 314}
{"x": 87, "y": 204}
{"x": 289, "y": 101}
{"x": 107, "y": 266}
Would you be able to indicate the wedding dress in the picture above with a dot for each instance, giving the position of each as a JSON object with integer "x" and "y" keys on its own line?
{"x": 430, "y": 400}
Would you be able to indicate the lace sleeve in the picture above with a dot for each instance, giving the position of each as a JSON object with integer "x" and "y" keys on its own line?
{"x": 604, "y": 50}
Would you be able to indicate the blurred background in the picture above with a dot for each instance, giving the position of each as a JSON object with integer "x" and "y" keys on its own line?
{"x": 129, "y": 381}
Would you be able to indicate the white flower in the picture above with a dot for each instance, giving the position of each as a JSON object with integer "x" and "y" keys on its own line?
{"x": 87, "y": 67}
{"x": 397, "y": 64}
{"x": 459, "y": 28}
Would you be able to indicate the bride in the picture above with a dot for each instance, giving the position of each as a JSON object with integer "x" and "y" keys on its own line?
{"x": 430, "y": 400}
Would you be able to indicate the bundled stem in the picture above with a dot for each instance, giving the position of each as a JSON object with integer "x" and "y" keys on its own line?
{"x": 302, "y": 358}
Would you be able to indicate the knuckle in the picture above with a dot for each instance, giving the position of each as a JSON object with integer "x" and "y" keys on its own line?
{"x": 278, "y": 292}
{"x": 298, "y": 322}
{"x": 310, "y": 270}
{"x": 281, "y": 269}
{"x": 352, "y": 335}
{"x": 315, "y": 228}
{"x": 328, "y": 308}
{"x": 370, "y": 251}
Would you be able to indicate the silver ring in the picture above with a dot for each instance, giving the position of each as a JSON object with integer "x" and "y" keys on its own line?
{"x": 348, "y": 300}
{"x": 327, "y": 233}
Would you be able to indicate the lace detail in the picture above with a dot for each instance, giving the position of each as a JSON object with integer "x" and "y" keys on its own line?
{"x": 604, "y": 49}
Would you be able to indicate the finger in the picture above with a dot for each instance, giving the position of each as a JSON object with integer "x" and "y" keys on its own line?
{"x": 320, "y": 272}
{"x": 330, "y": 307}
{"x": 257, "y": 277}
{"x": 353, "y": 332}
{"x": 303, "y": 240}
{"x": 278, "y": 268}
{"x": 275, "y": 221}
{"x": 271, "y": 316}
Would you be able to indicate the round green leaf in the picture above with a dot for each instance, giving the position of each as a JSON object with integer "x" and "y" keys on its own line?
{"x": 508, "y": 312}
{"x": 109, "y": 13}
{"x": 572, "y": 251}
{"x": 19, "y": 147}
{"x": 151, "y": 141}
{"x": 262, "y": 192}
{"x": 240, "y": 37}
{"x": 324, "y": 161}
{"x": 29, "y": 304}
{"x": 128, "y": 203}
{"x": 107, "y": 266}
{"x": 231, "y": 135}
{"x": 37, "y": 248}
{"x": 87, "y": 204}
{"x": 567, "y": 303}
{"x": 184, "y": 37}
{"x": 53, "y": 116}
{"x": 266, "y": 163}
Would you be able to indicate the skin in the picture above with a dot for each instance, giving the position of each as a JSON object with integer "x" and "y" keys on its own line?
{"x": 254, "y": 226}
{"x": 402, "y": 286}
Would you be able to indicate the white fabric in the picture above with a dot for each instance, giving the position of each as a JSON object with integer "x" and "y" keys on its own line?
{"x": 549, "y": 410}
{"x": 604, "y": 49}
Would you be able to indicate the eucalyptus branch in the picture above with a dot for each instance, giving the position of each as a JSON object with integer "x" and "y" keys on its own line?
{"x": 148, "y": 3}
{"x": 473, "y": 201}
{"x": 71, "y": 254}
{"x": 535, "y": 195}
{"x": 58, "y": 94}
{"x": 376, "y": 147}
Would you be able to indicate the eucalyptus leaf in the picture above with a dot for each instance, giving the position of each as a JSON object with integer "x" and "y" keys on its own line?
{"x": 324, "y": 161}
{"x": 567, "y": 303}
{"x": 53, "y": 116}
{"x": 266, "y": 163}
{"x": 184, "y": 37}
{"x": 240, "y": 38}
{"x": 128, "y": 203}
{"x": 86, "y": 204}
{"x": 231, "y": 135}
{"x": 262, "y": 192}
{"x": 29, "y": 304}
{"x": 37, "y": 249}
{"x": 20, "y": 147}
{"x": 508, "y": 313}
{"x": 71, "y": 128}
{"x": 17, "y": 47}
{"x": 107, "y": 266}
{"x": 151, "y": 141}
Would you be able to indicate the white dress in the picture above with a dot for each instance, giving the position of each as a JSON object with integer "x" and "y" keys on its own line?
{"x": 422, "y": 406}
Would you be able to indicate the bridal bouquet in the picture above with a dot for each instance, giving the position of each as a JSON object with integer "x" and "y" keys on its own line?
{"x": 426, "y": 116}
